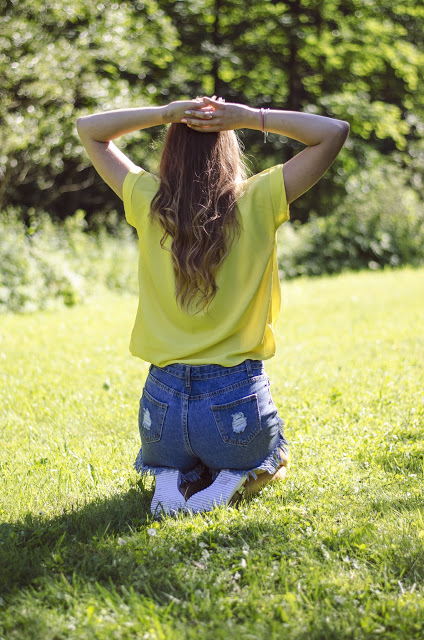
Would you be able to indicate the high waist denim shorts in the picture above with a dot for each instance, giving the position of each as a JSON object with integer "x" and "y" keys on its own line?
{"x": 197, "y": 416}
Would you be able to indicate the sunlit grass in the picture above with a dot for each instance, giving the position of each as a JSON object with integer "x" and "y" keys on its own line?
{"x": 337, "y": 551}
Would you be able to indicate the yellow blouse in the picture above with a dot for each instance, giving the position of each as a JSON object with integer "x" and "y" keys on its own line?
{"x": 240, "y": 320}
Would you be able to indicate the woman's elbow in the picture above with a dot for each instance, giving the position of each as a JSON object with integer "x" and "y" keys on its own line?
{"x": 340, "y": 133}
{"x": 82, "y": 123}
{"x": 343, "y": 128}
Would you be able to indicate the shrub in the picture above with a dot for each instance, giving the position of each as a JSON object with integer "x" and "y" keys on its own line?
{"x": 49, "y": 265}
{"x": 380, "y": 222}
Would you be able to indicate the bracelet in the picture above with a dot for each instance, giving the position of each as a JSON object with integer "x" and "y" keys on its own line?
{"x": 263, "y": 112}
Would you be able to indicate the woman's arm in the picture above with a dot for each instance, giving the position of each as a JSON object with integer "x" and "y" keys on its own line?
{"x": 324, "y": 136}
{"x": 109, "y": 125}
{"x": 98, "y": 130}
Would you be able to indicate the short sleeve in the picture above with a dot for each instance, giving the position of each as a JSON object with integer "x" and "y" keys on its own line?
{"x": 278, "y": 195}
{"x": 127, "y": 193}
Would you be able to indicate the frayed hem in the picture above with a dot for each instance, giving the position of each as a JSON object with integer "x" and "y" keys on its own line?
{"x": 271, "y": 464}
{"x": 274, "y": 461}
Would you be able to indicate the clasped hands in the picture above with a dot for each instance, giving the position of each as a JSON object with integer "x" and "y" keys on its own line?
{"x": 202, "y": 114}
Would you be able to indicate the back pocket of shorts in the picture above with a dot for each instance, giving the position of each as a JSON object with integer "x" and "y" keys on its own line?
{"x": 239, "y": 421}
{"x": 151, "y": 416}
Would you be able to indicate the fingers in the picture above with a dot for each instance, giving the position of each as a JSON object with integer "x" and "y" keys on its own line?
{"x": 207, "y": 110}
{"x": 197, "y": 114}
{"x": 210, "y": 100}
{"x": 195, "y": 120}
{"x": 200, "y": 99}
{"x": 204, "y": 128}
{"x": 203, "y": 115}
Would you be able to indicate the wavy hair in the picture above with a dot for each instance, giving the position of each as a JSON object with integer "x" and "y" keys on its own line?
{"x": 196, "y": 205}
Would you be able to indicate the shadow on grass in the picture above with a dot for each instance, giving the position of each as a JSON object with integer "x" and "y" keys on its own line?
{"x": 81, "y": 543}
{"x": 36, "y": 547}
{"x": 79, "y": 547}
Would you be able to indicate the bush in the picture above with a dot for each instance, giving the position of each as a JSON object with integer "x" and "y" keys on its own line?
{"x": 49, "y": 265}
{"x": 380, "y": 222}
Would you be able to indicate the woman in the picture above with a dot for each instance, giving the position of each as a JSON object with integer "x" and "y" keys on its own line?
{"x": 209, "y": 288}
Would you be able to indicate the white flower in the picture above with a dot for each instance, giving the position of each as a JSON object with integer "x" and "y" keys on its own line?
{"x": 151, "y": 532}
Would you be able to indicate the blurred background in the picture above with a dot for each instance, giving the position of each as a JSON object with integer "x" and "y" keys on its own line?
{"x": 62, "y": 229}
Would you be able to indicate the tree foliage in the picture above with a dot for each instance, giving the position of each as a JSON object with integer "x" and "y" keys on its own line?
{"x": 358, "y": 60}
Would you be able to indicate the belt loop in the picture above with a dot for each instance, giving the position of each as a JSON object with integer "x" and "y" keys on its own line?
{"x": 187, "y": 377}
{"x": 249, "y": 368}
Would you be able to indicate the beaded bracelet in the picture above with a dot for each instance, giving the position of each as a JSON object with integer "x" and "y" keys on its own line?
{"x": 263, "y": 112}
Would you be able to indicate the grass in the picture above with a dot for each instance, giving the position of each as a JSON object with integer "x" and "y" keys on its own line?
{"x": 336, "y": 551}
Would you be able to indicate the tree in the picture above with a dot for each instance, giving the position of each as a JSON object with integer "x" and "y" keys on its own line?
{"x": 60, "y": 62}
{"x": 357, "y": 60}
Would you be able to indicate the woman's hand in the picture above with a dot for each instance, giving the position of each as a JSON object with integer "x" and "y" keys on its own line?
{"x": 218, "y": 115}
{"x": 175, "y": 111}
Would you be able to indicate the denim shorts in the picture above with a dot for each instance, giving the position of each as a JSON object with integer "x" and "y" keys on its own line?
{"x": 197, "y": 416}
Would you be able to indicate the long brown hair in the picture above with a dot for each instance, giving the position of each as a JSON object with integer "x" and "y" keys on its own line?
{"x": 196, "y": 205}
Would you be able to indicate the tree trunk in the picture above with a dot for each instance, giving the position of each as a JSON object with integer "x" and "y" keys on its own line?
{"x": 216, "y": 39}
{"x": 294, "y": 96}
{"x": 3, "y": 184}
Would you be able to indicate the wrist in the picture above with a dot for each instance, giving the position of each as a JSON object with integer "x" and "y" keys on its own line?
{"x": 166, "y": 113}
{"x": 253, "y": 119}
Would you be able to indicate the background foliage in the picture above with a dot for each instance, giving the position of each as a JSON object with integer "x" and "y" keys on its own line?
{"x": 379, "y": 223}
{"x": 50, "y": 265}
{"x": 357, "y": 60}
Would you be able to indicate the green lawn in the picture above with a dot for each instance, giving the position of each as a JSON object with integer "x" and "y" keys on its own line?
{"x": 337, "y": 551}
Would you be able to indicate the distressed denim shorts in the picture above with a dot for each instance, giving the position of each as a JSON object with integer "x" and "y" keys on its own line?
{"x": 197, "y": 416}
